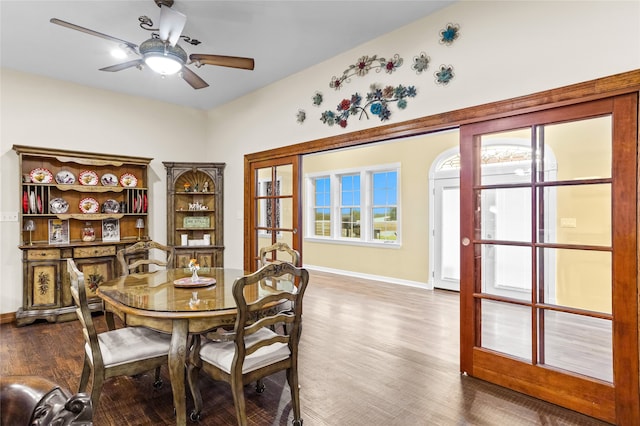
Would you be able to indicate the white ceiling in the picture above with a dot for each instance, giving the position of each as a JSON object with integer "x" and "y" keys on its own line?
{"x": 283, "y": 37}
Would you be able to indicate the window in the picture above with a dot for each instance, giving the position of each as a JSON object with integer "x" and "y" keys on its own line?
{"x": 350, "y": 206}
{"x": 322, "y": 208}
{"x": 355, "y": 205}
{"x": 385, "y": 206}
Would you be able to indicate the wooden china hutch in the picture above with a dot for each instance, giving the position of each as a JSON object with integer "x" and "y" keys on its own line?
{"x": 79, "y": 205}
{"x": 195, "y": 213}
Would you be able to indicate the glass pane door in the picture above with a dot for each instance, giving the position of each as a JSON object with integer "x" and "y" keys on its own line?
{"x": 540, "y": 258}
{"x": 274, "y": 209}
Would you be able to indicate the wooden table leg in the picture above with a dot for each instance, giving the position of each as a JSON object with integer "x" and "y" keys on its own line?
{"x": 177, "y": 358}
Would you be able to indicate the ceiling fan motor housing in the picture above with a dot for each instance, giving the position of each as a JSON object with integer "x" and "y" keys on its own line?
{"x": 156, "y": 47}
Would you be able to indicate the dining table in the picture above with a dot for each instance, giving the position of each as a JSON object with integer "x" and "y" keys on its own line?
{"x": 174, "y": 301}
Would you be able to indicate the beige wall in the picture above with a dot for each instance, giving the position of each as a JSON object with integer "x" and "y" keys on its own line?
{"x": 41, "y": 112}
{"x": 506, "y": 49}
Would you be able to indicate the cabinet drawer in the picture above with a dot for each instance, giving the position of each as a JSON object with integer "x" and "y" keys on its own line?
{"x": 43, "y": 254}
{"x": 80, "y": 252}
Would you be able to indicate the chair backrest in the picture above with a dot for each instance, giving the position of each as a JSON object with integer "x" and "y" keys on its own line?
{"x": 142, "y": 247}
{"x": 285, "y": 306}
{"x": 274, "y": 250}
{"x": 79, "y": 294}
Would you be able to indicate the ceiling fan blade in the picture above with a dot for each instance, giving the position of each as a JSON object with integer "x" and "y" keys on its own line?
{"x": 223, "y": 61}
{"x": 171, "y": 25}
{"x": 92, "y": 32}
{"x": 123, "y": 66}
{"x": 193, "y": 79}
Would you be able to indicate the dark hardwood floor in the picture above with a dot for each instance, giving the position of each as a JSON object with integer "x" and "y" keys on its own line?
{"x": 371, "y": 354}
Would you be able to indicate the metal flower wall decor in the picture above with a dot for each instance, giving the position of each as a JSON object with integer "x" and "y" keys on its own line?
{"x": 449, "y": 34}
{"x": 363, "y": 66}
{"x": 377, "y": 102}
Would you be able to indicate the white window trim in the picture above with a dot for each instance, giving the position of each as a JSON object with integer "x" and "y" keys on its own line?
{"x": 366, "y": 185}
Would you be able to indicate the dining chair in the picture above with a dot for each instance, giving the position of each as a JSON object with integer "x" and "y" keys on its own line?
{"x": 139, "y": 254}
{"x": 126, "y": 351}
{"x": 275, "y": 250}
{"x": 255, "y": 350}
{"x": 143, "y": 248}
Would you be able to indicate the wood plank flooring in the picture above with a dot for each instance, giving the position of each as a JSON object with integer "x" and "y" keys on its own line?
{"x": 371, "y": 353}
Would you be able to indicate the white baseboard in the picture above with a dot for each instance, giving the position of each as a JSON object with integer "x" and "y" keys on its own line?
{"x": 391, "y": 280}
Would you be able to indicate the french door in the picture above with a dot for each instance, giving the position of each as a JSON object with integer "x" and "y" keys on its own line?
{"x": 272, "y": 212}
{"x": 576, "y": 346}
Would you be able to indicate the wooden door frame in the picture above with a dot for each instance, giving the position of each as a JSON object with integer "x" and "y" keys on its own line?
{"x": 628, "y": 82}
{"x": 251, "y": 242}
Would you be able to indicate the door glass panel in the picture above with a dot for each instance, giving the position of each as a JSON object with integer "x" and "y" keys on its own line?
{"x": 578, "y": 343}
{"x": 582, "y": 215}
{"x": 506, "y": 214}
{"x": 450, "y": 226}
{"x": 284, "y": 176}
{"x": 578, "y": 279}
{"x": 582, "y": 149}
{"x": 506, "y": 328}
{"x": 506, "y": 271}
{"x": 506, "y": 157}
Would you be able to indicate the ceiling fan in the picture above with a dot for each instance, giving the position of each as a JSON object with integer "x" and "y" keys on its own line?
{"x": 161, "y": 52}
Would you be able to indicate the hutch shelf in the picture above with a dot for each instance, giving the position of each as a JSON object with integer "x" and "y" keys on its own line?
{"x": 79, "y": 205}
{"x": 194, "y": 213}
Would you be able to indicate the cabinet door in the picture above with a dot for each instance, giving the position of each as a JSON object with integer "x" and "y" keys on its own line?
{"x": 43, "y": 281}
{"x": 96, "y": 270}
{"x": 206, "y": 257}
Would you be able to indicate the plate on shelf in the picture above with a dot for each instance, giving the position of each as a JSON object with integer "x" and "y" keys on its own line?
{"x": 89, "y": 205}
{"x": 41, "y": 175}
{"x": 88, "y": 177}
{"x": 111, "y": 206}
{"x": 32, "y": 202}
{"x": 39, "y": 203}
{"x": 66, "y": 177}
{"x": 25, "y": 202}
{"x": 58, "y": 205}
{"x": 109, "y": 179}
{"x": 128, "y": 180}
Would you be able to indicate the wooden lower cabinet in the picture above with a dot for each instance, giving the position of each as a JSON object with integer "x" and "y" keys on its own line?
{"x": 46, "y": 293}
{"x": 209, "y": 257}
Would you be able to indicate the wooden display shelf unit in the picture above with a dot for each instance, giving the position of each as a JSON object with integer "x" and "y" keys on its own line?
{"x": 194, "y": 213}
{"x": 45, "y": 279}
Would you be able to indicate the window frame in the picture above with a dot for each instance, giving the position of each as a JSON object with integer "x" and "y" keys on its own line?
{"x": 366, "y": 205}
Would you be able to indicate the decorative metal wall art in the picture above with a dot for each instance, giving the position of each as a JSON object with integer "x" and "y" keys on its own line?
{"x": 301, "y": 116}
{"x": 444, "y": 75}
{"x": 364, "y": 65}
{"x": 317, "y": 99}
{"x": 420, "y": 63}
{"x": 449, "y": 34}
{"x": 377, "y": 103}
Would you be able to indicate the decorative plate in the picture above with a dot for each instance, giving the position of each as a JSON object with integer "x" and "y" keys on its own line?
{"x": 58, "y": 205}
{"x": 200, "y": 282}
{"x": 89, "y": 205}
{"x": 128, "y": 180}
{"x": 25, "y": 202}
{"x": 88, "y": 177}
{"x": 66, "y": 177}
{"x": 41, "y": 175}
{"x": 110, "y": 206}
{"x": 109, "y": 179}
{"x": 32, "y": 202}
{"x": 39, "y": 203}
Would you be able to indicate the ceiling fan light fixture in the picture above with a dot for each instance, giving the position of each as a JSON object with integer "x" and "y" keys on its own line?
{"x": 162, "y": 57}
